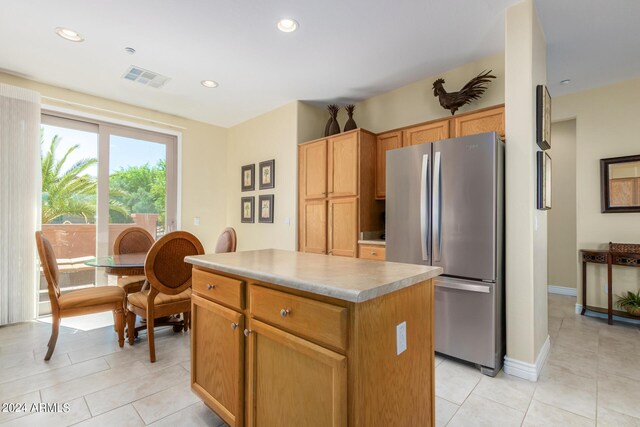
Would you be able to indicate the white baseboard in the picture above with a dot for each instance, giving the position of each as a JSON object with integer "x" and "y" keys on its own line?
{"x": 592, "y": 313}
{"x": 562, "y": 290}
{"x": 528, "y": 371}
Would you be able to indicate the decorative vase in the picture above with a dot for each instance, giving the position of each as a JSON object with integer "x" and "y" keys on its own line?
{"x": 634, "y": 311}
{"x": 334, "y": 128}
{"x": 328, "y": 126}
{"x": 351, "y": 124}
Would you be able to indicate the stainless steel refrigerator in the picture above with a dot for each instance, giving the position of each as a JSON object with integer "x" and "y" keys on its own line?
{"x": 445, "y": 207}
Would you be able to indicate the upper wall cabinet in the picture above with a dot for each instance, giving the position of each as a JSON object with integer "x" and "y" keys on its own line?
{"x": 313, "y": 168}
{"x": 386, "y": 141}
{"x": 343, "y": 165}
{"x": 427, "y": 133}
{"x": 491, "y": 120}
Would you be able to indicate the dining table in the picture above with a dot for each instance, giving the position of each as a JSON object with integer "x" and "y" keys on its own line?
{"x": 131, "y": 264}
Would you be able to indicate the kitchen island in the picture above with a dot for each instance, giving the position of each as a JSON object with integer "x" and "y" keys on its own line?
{"x": 285, "y": 338}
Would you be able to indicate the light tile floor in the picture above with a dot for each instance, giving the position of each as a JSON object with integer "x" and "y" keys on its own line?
{"x": 592, "y": 375}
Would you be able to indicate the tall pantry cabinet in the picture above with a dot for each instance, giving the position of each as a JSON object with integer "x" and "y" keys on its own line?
{"x": 336, "y": 197}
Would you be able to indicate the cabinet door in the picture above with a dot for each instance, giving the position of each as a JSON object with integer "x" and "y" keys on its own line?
{"x": 314, "y": 229}
{"x": 343, "y": 227}
{"x": 485, "y": 121}
{"x": 343, "y": 165}
{"x": 314, "y": 170}
{"x": 293, "y": 382}
{"x": 217, "y": 358}
{"x": 425, "y": 134}
{"x": 384, "y": 142}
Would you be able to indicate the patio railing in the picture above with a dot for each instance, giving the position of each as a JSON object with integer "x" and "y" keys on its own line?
{"x": 74, "y": 244}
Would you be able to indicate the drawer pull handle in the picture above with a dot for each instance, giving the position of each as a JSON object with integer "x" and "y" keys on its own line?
{"x": 285, "y": 312}
{"x": 234, "y": 326}
{"x": 211, "y": 286}
{"x": 374, "y": 253}
{"x": 247, "y": 332}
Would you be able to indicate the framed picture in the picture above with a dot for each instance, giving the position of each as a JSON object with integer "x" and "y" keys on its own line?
{"x": 247, "y": 209}
{"x": 265, "y": 208}
{"x": 543, "y": 117}
{"x": 248, "y": 177}
{"x": 544, "y": 180}
{"x": 620, "y": 184}
{"x": 267, "y": 174}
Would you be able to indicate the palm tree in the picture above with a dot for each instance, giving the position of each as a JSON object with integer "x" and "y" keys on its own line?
{"x": 72, "y": 191}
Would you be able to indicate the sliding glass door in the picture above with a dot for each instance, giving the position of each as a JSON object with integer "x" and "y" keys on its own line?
{"x": 98, "y": 180}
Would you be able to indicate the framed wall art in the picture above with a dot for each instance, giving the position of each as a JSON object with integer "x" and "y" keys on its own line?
{"x": 620, "y": 184}
{"x": 247, "y": 209}
{"x": 267, "y": 171}
{"x": 265, "y": 208}
{"x": 248, "y": 177}
{"x": 544, "y": 180}
{"x": 543, "y": 117}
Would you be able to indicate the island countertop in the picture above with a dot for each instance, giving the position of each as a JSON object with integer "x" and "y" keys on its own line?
{"x": 348, "y": 279}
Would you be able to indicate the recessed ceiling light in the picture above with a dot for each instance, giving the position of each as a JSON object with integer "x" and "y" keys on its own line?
{"x": 287, "y": 25}
{"x": 565, "y": 81}
{"x": 68, "y": 34}
{"x": 209, "y": 83}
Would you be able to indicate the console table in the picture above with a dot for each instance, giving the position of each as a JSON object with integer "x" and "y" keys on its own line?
{"x": 627, "y": 255}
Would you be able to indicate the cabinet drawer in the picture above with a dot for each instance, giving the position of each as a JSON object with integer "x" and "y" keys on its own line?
{"x": 326, "y": 323}
{"x": 375, "y": 252}
{"x": 218, "y": 288}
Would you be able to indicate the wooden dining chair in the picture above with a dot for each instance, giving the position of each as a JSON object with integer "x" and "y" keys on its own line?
{"x": 132, "y": 240}
{"x": 76, "y": 303}
{"x": 169, "y": 278}
{"x": 227, "y": 241}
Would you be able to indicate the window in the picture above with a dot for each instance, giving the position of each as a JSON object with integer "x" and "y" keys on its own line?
{"x": 99, "y": 179}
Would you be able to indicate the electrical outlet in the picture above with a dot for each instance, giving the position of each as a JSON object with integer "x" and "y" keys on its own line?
{"x": 196, "y": 220}
{"x": 401, "y": 338}
{"x": 605, "y": 287}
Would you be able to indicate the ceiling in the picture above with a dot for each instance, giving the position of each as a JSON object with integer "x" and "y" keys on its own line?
{"x": 343, "y": 51}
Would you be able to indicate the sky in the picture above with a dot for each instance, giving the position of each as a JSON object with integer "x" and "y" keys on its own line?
{"x": 123, "y": 152}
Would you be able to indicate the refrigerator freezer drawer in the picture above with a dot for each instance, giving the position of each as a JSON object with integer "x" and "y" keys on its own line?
{"x": 465, "y": 320}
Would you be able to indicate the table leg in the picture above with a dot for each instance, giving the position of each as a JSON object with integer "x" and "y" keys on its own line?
{"x": 584, "y": 287}
{"x": 609, "y": 290}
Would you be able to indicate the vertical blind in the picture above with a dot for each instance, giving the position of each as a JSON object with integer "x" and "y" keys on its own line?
{"x": 20, "y": 189}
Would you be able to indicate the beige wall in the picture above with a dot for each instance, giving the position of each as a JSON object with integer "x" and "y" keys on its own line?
{"x": 415, "y": 102}
{"x": 526, "y": 228}
{"x": 203, "y": 152}
{"x": 606, "y": 126}
{"x": 273, "y": 135}
{"x": 561, "y": 230}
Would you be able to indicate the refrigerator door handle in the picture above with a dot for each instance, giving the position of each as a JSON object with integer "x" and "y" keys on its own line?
{"x": 424, "y": 208}
{"x": 464, "y": 287}
{"x": 437, "y": 206}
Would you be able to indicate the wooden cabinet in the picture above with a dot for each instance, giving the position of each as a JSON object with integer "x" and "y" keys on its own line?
{"x": 487, "y": 120}
{"x": 294, "y": 358}
{"x": 217, "y": 361}
{"x": 330, "y": 223}
{"x": 343, "y": 165}
{"x": 343, "y": 227}
{"x": 384, "y": 142}
{"x": 293, "y": 382}
{"x": 314, "y": 220}
{"x": 313, "y": 169}
{"x": 426, "y": 133}
{"x": 374, "y": 252}
{"x": 490, "y": 120}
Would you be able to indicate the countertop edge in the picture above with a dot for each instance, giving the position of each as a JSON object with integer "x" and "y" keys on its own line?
{"x": 320, "y": 289}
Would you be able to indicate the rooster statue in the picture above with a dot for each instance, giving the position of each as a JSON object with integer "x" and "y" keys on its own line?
{"x": 470, "y": 92}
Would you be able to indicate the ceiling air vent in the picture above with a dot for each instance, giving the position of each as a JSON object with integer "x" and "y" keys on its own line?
{"x": 145, "y": 77}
